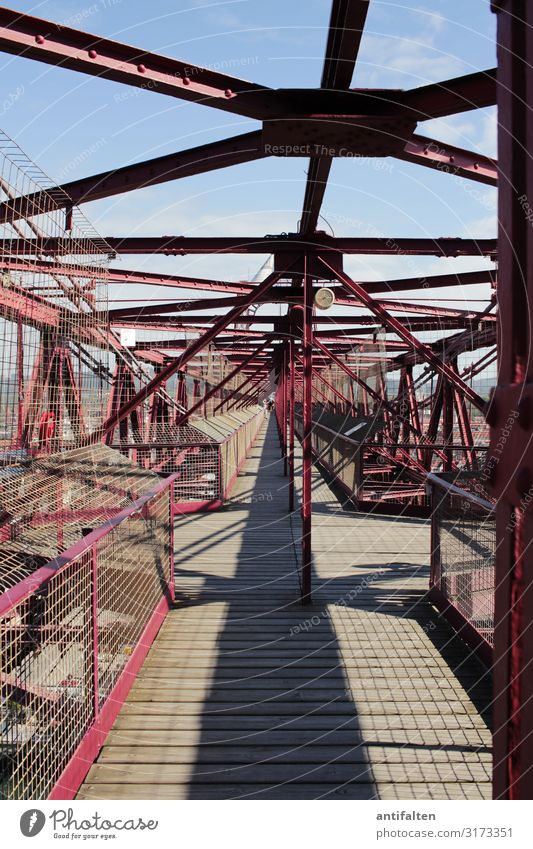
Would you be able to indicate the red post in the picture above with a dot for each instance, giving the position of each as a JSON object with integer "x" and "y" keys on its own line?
{"x": 447, "y": 425}
{"x": 510, "y": 460}
{"x": 94, "y": 623}
{"x": 307, "y": 425}
{"x": 291, "y": 425}
{"x": 284, "y": 413}
{"x": 20, "y": 382}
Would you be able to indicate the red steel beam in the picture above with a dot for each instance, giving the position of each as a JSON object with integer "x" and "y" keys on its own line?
{"x": 55, "y": 44}
{"x": 401, "y": 330}
{"x": 346, "y": 26}
{"x": 122, "y": 276}
{"x": 194, "y": 348}
{"x": 473, "y": 91}
{"x": 439, "y": 281}
{"x": 150, "y": 310}
{"x": 307, "y": 427}
{"x": 421, "y": 323}
{"x": 450, "y": 159}
{"x": 233, "y": 396}
{"x": 387, "y": 405}
{"x": 128, "y": 178}
{"x": 510, "y": 458}
{"x": 280, "y": 244}
{"x": 220, "y": 385}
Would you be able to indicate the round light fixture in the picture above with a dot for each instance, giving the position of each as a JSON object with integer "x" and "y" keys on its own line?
{"x": 324, "y": 298}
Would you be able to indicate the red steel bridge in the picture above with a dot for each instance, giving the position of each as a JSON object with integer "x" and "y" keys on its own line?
{"x": 201, "y": 598}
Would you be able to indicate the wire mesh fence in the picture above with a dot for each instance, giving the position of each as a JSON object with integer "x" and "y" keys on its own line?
{"x": 67, "y": 632}
{"x": 463, "y": 554}
{"x": 55, "y": 352}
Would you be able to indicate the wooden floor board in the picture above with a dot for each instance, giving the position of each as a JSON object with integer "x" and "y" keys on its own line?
{"x": 365, "y": 694}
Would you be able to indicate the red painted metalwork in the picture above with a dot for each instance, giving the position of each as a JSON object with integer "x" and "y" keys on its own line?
{"x": 79, "y": 567}
{"x": 450, "y": 160}
{"x": 174, "y": 166}
{"x": 281, "y": 244}
{"x": 307, "y": 424}
{"x": 346, "y": 367}
{"x": 423, "y": 350}
{"x": 187, "y": 355}
{"x": 510, "y": 460}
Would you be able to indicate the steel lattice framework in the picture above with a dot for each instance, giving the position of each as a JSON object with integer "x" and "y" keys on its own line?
{"x": 416, "y": 405}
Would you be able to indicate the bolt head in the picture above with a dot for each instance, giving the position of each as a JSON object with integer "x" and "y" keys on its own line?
{"x": 186, "y": 81}
{"x": 92, "y": 54}
{"x": 141, "y": 69}
{"x": 228, "y": 93}
{"x": 39, "y": 39}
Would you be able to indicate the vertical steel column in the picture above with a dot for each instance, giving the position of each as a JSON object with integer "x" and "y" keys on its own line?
{"x": 20, "y": 382}
{"x": 307, "y": 425}
{"x": 447, "y": 424}
{"x": 284, "y": 413}
{"x": 291, "y": 425}
{"x": 510, "y": 460}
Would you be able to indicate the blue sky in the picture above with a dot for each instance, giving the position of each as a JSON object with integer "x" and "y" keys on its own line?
{"x": 73, "y": 125}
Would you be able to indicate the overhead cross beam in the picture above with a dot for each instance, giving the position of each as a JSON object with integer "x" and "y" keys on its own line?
{"x": 65, "y": 47}
{"x": 344, "y": 38}
{"x": 460, "y": 94}
{"x": 173, "y": 166}
{"x": 280, "y": 244}
{"x": 449, "y": 159}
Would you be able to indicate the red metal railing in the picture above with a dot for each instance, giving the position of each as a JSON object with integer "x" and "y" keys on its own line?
{"x": 204, "y": 472}
{"x": 72, "y": 637}
{"x": 463, "y": 532}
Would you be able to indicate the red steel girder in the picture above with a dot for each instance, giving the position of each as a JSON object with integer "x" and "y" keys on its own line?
{"x": 421, "y": 348}
{"x": 55, "y": 44}
{"x": 151, "y": 310}
{"x": 449, "y": 159}
{"x": 209, "y": 394}
{"x": 460, "y": 94}
{"x": 510, "y": 459}
{"x": 280, "y": 244}
{"x": 193, "y": 349}
{"x": 307, "y": 448}
{"x": 122, "y": 276}
{"x": 346, "y": 26}
{"x": 344, "y": 38}
{"x": 174, "y": 166}
{"x": 333, "y": 322}
{"x": 438, "y": 281}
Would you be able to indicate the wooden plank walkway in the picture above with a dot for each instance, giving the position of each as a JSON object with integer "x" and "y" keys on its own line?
{"x": 365, "y": 694}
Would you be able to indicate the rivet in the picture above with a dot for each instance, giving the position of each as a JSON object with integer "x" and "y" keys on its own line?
{"x": 476, "y": 165}
{"x": 141, "y": 69}
{"x": 524, "y": 413}
{"x": 39, "y": 39}
{"x": 523, "y": 481}
{"x": 186, "y": 81}
{"x": 92, "y": 54}
{"x": 452, "y": 158}
{"x": 228, "y": 93}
